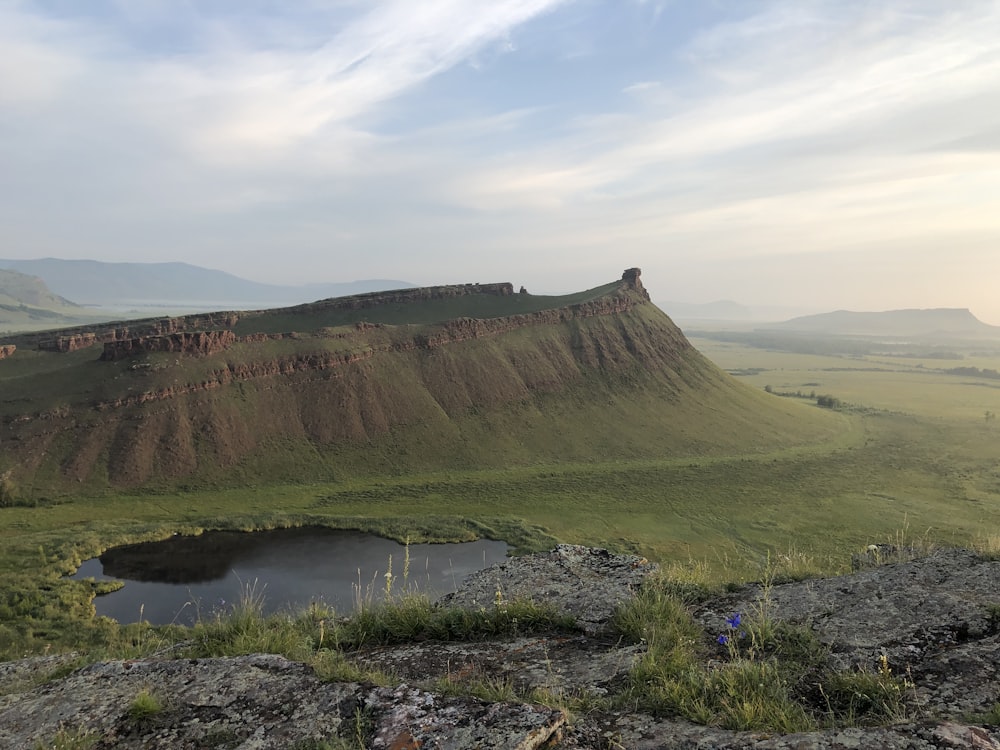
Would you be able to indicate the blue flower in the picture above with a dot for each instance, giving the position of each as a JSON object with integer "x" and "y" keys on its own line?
{"x": 734, "y": 620}
{"x": 723, "y": 639}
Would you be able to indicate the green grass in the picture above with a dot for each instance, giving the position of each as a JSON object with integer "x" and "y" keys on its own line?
{"x": 401, "y": 617}
{"x": 419, "y": 312}
{"x": 912, "y": 386}
{"x": 756, "y": 673}
{"x": 529, "y": 397}
{"x": 709, "y": 518}
{"x": 70, "y": 739}
{"x": 991, "y": 717}
{"x": 145, "y": 707}
{"x": 922, "y": 458}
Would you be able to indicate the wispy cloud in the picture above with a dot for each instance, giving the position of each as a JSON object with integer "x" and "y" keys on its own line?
{"x": 897, "y": 82}
{"x": 224, "y": 93}
{"x": 430, "y": 137}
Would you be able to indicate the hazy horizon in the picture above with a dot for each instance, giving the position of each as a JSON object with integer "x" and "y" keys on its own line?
{"x": 813, "y": 156}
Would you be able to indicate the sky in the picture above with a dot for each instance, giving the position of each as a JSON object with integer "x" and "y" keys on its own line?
{"x": 816, "y": 154}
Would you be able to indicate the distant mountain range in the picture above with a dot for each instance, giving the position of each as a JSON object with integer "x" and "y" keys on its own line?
{"x": 919, "y": 323}
{"x": 91, "y": 282}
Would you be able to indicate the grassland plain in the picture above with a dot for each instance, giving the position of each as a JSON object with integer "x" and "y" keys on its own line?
{"x": 908, "y": 450}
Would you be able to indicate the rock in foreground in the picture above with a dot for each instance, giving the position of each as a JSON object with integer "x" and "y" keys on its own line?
{"x": 935, "y": 619}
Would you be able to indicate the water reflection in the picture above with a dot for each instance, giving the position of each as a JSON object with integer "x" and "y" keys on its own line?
{"x": 184, "y": 578}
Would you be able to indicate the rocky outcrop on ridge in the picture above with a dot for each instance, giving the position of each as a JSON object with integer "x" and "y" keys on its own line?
{"x": 80, "y": 337}
{"x": 584, "y": 582}
{"x": 201, "y": 343}
{"x": 262, "y": 702}
{"x": 404, "y": 296}
{"x": 935, "y": 618}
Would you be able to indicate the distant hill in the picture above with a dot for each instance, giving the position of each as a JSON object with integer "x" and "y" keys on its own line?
{"x": 917, "y": 323}
{"x": 90, "y": 282}
{"x": 26, "y": 303}
{"x": 17, "y": 289}
{"x": 460, "y": 376}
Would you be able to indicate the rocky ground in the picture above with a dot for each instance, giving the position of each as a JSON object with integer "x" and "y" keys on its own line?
{"x": 936, "y": 619}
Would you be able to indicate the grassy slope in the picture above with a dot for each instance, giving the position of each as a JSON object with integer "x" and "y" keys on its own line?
{"x": 421, "y": 312}
{"x": 657, "y": 462}
{"x": 608, "y": 387}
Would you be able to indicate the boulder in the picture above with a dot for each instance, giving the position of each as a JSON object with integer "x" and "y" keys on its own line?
{"x": 934, "y": 619}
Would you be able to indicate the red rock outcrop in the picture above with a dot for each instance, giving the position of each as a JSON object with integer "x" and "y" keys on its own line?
{"x": 463, "y": 329}
{"x": 78, "y": 337}
{"x": 631, "y": 279}
{"x": 72, "y": 339}
{"x": 201, "y": 343}
{"x": 70, "y": 343}
{"x": 452, "y": 332}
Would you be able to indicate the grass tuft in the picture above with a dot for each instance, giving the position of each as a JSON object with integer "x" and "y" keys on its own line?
{"x": 412, "y": 615}
{"x": 864, "y": 698}
{"x": 990, "y": 718}
{"x": 144, "y": 707}
{"x": 70, "y": 739}
{"x": 987, "y": 545}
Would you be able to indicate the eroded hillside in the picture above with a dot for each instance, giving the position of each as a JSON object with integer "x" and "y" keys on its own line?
{"x": 441, "y": 377}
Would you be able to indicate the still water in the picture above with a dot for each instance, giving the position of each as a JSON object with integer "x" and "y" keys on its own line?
{"x": 186, "y": 577}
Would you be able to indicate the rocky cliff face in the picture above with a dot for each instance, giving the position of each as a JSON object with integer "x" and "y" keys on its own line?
{"x": 172, "y": 418}
{"x": 948, "y": 646}
{"x": 202, "y": 343}
{"x": 79, "y": 337}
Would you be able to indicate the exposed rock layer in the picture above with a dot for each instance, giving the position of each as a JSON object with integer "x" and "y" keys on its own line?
{"x": 201, "y": 343}
{"x": 77, "y": 337}
{"x": 167, "y": 418}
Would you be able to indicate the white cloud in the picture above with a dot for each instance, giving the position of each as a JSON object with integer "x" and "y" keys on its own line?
{"x": 897, "y": 89}
{"x": 34, "y": 66}
{"x": 240, "y": 130}
{"x": 228, "y": 96}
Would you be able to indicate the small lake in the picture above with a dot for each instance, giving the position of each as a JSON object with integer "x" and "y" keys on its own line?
{"x": 183, "y": 578}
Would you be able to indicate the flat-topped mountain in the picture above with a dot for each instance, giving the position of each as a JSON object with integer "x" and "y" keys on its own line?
{"x": 435, "y": 378}
{"x": 924, "y": 323}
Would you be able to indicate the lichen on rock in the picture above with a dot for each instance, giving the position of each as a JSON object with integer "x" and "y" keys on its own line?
{"x": 933, "y": 619}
